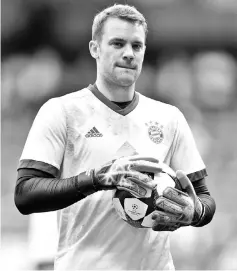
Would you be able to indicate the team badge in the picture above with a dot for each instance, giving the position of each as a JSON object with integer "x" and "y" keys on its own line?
{"x": 155, "y": 132}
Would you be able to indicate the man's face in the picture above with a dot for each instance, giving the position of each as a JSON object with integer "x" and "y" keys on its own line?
{"x": 121, "y": 52}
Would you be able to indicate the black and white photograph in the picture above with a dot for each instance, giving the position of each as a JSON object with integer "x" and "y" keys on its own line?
{"x": 118, "y": 135}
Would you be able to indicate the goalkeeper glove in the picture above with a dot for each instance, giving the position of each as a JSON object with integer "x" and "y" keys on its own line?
{"x": 176, "y": 208}
{"x": 126, "y": 173}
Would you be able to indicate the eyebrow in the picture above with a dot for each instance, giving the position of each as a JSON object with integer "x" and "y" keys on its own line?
{"x": 117, "y": 39}
{"x": 123, "y": 40}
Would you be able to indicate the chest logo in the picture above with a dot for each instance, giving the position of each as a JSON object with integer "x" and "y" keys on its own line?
{"x": 93, "y": 133}
{"x": 155, "y": 132}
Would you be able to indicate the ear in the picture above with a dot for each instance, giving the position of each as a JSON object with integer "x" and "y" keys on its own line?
{"x": 94, "y": 48}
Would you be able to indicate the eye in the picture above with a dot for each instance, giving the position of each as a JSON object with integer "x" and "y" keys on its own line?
{"x": 117, "y": 44}
{"x": 137, "y": 47}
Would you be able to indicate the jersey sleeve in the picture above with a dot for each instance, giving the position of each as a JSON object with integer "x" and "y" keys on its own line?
{"x": 185, "y": 155}
{"x": 45, "y": 144}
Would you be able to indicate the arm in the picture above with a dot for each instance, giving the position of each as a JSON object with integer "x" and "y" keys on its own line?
{"x": 208, "y": 202}
{"x": 39, "y": 191}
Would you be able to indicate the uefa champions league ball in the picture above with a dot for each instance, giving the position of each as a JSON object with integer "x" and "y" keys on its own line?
{"x": 138, "y": 211}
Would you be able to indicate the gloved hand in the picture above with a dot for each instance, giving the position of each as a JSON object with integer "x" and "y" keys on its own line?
{"x": 177, "y": 208}
{"x": 127, "y": 173}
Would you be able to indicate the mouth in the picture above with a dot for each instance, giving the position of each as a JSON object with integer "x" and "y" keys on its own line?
{"x": 129, "y": 67}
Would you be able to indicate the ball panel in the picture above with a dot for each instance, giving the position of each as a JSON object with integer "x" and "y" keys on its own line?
{"x": 163, "y": 180}
{"x": 135, "y": 208}
{"x": 134, "y": 223}
{"x": 119, "y": 208}
{"x": 147, "y": 221}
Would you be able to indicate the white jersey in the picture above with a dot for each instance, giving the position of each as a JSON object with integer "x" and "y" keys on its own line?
{"x": 83, "y": 130}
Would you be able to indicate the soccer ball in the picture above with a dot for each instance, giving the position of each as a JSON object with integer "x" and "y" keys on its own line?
{"x": 138, "y": 211}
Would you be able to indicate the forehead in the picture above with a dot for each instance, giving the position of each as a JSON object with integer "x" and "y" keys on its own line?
{"x": 118, "y": 28}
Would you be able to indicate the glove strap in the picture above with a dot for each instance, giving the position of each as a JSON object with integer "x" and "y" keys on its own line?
{"x": 198, "y": 216}
{"x": 85, "y": 184}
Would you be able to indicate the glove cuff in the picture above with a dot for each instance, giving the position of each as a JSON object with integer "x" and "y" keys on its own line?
{"x": 198, "y": 216}
{"x": 85, "y": 183}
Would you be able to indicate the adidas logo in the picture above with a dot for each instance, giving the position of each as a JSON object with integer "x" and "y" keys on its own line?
{"x": 93, "y": 133}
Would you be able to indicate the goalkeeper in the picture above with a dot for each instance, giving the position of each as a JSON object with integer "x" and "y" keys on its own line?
{"x": 64, "y": 164}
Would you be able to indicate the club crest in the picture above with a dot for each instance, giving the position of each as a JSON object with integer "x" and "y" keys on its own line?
{"x": 155, "y": 132}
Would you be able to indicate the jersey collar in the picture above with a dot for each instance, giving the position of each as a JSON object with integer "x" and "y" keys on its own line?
{"x": 113, "y": 106}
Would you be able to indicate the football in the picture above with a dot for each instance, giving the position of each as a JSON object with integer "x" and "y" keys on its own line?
{"x": 138, "y": 211}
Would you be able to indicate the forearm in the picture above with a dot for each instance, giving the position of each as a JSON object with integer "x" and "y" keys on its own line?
{"x": 209, "y": 205}
{"x": 209, "y": 208}
{"x": 45, "y": 194}
{"x": 37, "y": 191}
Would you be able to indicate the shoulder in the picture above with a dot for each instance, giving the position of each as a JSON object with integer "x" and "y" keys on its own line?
{"x": 158, "y": 106}
{"x": 76, "y": 95}
{"x": 59, "y": 105}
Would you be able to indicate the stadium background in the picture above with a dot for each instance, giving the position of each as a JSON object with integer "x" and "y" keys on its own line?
{"x": 191, "y": 62}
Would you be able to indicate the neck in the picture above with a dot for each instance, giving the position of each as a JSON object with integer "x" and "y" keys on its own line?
{"x": 114, "y": 92}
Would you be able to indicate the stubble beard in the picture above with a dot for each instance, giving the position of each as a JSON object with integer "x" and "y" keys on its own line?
{"x": 124, "y": 80}
{"x": 117, "y": 79}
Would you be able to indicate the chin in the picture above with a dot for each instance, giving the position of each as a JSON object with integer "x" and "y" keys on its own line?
{"x": 126, "y": 82}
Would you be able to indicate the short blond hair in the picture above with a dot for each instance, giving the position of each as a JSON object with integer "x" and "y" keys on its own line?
{"x": 123, "y": 12}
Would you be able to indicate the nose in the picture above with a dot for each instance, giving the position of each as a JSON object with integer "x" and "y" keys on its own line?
{"x": 128, "y": 53}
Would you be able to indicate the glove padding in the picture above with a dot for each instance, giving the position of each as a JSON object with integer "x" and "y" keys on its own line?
{"x": 177, "y": 208}
{"x": 126, "y": 174}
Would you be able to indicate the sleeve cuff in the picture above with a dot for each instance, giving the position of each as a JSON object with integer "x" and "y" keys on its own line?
{"x": 195, "y": 176}
{"x": 28, "y": 163}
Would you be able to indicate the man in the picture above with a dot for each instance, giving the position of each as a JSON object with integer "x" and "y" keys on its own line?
{"x": 78, "y": 144}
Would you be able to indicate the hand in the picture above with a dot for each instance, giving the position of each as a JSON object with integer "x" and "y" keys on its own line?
{"x": 176, "y": 208}
{"x": 127, "y": 173}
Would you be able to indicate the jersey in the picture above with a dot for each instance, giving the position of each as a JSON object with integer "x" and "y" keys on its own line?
{"x": 83, "y": 130}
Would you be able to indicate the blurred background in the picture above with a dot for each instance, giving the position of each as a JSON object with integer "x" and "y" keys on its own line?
{"x": 190, "y": 62}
